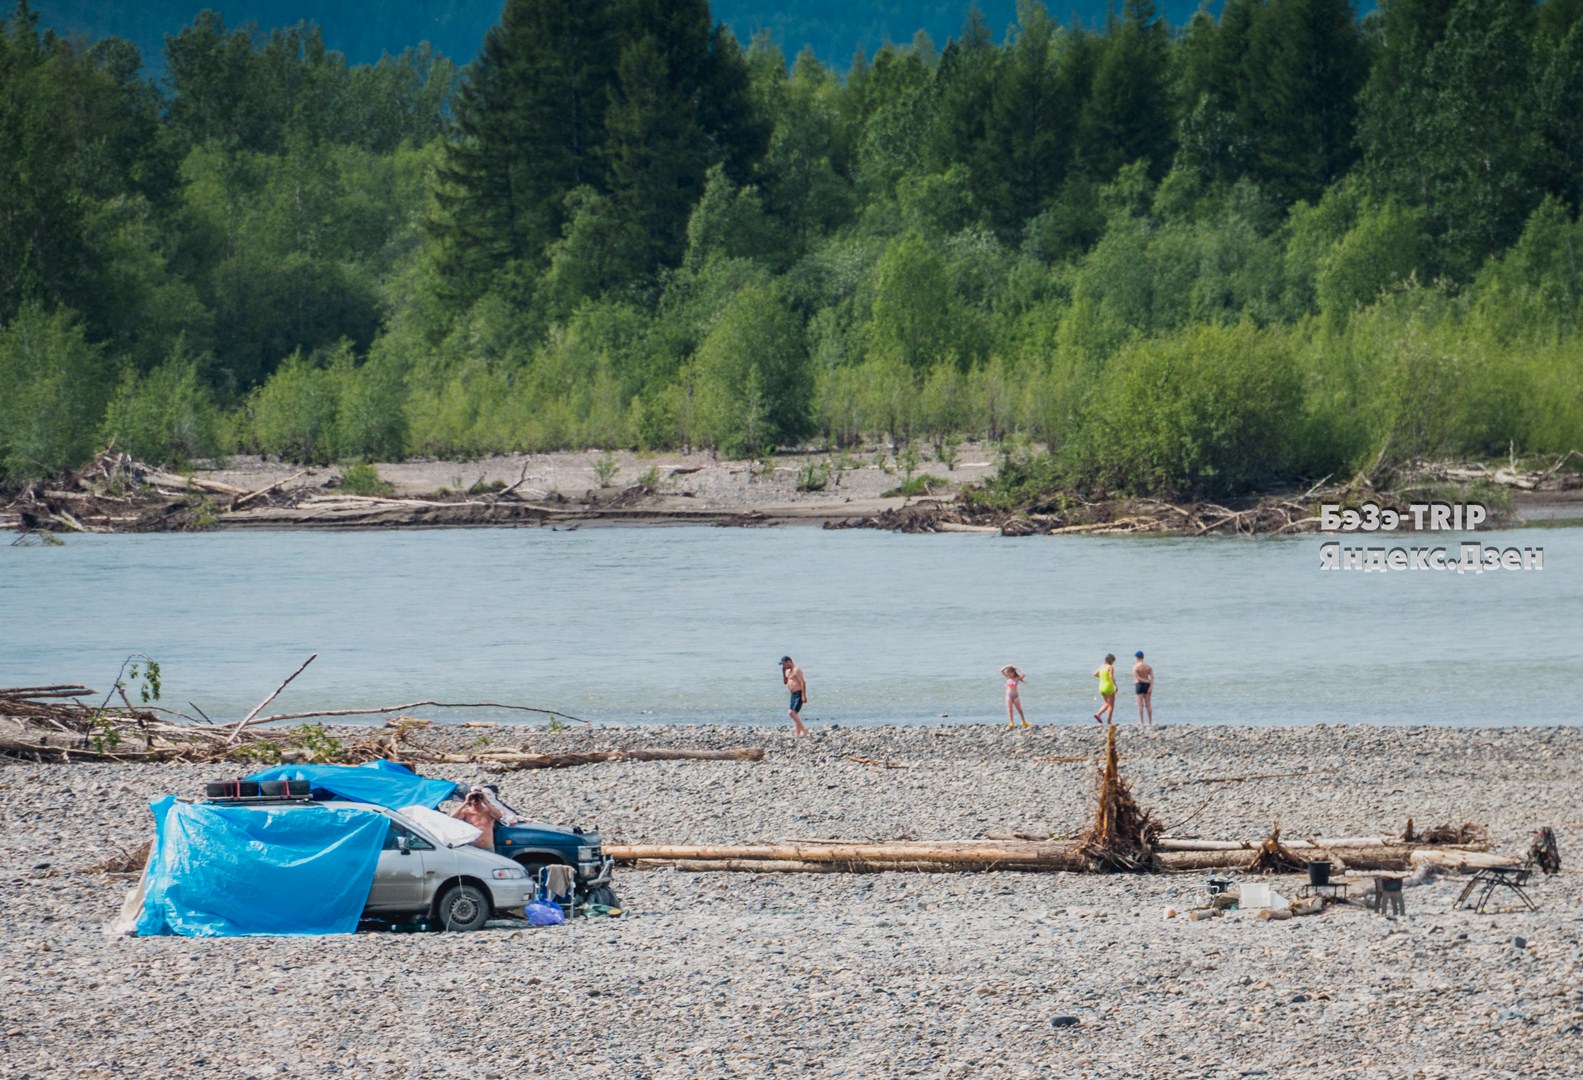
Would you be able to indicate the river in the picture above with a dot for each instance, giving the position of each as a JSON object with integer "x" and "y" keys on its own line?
{"x": 687, "y": 624}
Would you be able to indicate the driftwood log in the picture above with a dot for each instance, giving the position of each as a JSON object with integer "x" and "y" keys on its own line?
{"x": 978, "y": 855}
{"x": 511, "y": 760}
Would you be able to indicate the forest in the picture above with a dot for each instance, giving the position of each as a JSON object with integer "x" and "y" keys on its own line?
{"x": 1250, "y": 251}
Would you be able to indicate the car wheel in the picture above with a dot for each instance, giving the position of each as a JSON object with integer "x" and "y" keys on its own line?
{"x": 604, "y": 895}
{"x": 464, "y": 907}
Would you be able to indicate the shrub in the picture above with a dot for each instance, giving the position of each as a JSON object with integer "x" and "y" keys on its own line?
{"x": 167, "y": 417}
{"x": 922, "y": 484}
{"x": 293, "y": 414}
{"x": 363, "y": 479}
{"x": 53, "y": 385}
{"x": 1205, "y": 412}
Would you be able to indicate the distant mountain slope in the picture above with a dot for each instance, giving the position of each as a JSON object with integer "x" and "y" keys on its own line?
{"x": 834, "y": 28}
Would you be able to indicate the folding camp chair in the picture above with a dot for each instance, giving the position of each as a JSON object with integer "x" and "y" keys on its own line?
{"x": 558, "y": 885}
{"x": 1543, "y": 853}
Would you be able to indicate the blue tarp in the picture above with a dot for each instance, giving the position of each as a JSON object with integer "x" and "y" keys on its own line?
{"x": 228, "y": 871}
{"x": 383, "y": 783}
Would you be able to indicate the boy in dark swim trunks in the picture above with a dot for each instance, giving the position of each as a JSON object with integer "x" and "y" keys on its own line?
{"x": 792, "y": 676}
{"x": 1143, "y": 686}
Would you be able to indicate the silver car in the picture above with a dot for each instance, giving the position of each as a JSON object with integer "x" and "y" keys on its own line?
{"x": 420, "y": 876}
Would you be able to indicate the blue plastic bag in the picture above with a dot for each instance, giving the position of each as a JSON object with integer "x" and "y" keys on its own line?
{"x": 543, "y": 913}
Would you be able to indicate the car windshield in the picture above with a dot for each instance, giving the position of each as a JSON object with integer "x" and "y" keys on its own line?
{"x": 414, "y": 841}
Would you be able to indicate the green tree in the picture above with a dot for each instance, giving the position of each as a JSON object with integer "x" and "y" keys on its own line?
{"x": 1127, "y": 116}
{"x": 76, "y": 135}
{"x": 1306, "y": 64}
{"x": 529, "y": 129}
{"x": 1397, "y": 96}
{"x": 166, "y": 417}
{"x": 53, "y": 386}
{"x": 752, "y": 377}
{"x": 914, "y": 318}
{"x": 1383, "y": 249}
{"x": 1019, "y": 165}
{"x": 1477, "y": 149}
{"x": 1206, "y": 412}
{"x": 1559, "y": 114}
{"x": 657, "y": 155}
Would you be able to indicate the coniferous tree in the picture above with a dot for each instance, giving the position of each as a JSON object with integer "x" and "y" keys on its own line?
{"x": 1128, "y": 115}
{"x": 1476, "y": 157}
{"x": 1306, "y": 65}
{"x": 1021, "y": 163}
{"x": 657, "y": 155}
{"x": 964, "y": 81}
{"x": 1559, "y": 112}
{"x": 529, "y": 129}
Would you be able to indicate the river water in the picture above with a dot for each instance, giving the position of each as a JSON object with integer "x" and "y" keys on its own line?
{"x": 687, "y": 624}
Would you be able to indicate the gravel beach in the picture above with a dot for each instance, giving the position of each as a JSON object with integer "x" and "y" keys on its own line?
{"x": 897, "y": 974}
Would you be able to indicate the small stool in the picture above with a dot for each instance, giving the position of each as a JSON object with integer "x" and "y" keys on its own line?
{"x": 1389, "y": 890}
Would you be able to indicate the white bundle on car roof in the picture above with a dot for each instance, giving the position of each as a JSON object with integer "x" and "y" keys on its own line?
{"x": 452, "y": 832}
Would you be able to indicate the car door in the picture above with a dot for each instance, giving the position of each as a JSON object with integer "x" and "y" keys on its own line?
{"x": 401, "y": 879}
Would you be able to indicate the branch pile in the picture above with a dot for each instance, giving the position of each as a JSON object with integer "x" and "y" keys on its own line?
{"x": 114, "y": 493}
{"x": 49, "y": 723}
{"x": 1273, "y": 514}
{"x": 1123, "y": 835}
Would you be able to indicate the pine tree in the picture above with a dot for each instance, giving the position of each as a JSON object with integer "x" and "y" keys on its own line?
{"x": 657, "y": 155}
{"x": 1559, "y": 109}
{"x": 529, "y": 129}
{"x": 1021, "y": 164}
{"x": 1307, "y": 64}
{"x": 1128, "y": 116}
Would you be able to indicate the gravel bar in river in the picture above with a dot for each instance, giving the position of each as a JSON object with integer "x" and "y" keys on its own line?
{"x": 896, "y": 974}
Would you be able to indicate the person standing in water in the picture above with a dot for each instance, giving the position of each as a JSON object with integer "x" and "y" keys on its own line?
{"x": 1143, "y": 686}
{"x": 1013, "y": 677}
{"x": 1106, "y": 674}
{"x": 792, "y": 676}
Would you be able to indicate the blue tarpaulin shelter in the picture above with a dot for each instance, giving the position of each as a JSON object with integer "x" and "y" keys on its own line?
{"x": 383, "y": 783}
{"x": 228, "y": 871}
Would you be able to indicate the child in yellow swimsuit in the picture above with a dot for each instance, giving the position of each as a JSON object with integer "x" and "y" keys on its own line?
{"x": 1107, "y": 689}
{"x": 1013, "y": 677}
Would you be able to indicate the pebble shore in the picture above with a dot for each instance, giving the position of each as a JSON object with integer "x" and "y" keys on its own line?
{"x": 896, "y": 974}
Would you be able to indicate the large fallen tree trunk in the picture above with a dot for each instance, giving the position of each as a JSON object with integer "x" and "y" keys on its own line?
{"x": 521, "y": 759}
{"x": 956, "y": 855}
{"x": 953, "y": 857}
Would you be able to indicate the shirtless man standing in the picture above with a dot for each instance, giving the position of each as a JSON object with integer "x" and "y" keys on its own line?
{"x": 481, "y": 814}
{"x": 792, "y": 676}
{"x": 1143, "y": 686}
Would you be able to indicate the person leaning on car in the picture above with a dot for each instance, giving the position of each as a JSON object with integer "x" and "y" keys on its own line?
{"x": 481, "y": 814}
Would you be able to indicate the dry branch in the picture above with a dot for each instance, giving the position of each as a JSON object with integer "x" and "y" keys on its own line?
{"x": 240, "y": 500}
{"x": 386, "y": 709}
{"x": 954, "y": 855}
{"x": 1175, "y": 782}
{"x": 249, "y": 718}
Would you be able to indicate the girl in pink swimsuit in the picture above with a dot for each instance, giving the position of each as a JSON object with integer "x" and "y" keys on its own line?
{"x": 1013, "y": 677}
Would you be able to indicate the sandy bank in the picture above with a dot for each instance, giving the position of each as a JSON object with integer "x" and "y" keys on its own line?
{"x": 645, "y": 487}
